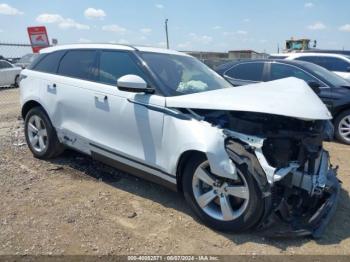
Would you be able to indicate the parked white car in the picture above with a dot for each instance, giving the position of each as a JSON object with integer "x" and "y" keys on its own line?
{"x": 239, "y": 154}
{"x": 339, "y": 64}
{"x": 9, "y": 74}
{"x": 26, "y": 60}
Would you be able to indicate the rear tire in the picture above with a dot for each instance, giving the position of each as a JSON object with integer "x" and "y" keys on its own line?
{"x": 246, "y": 210}
{"x": 40, "y": 135}
{"x": 342, "y": 127}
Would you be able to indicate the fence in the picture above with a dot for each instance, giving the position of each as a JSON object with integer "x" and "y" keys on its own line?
{"x": 14, "y": 51}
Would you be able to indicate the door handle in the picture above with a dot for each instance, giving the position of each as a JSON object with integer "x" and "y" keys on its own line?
{"x": 101, "y": 97}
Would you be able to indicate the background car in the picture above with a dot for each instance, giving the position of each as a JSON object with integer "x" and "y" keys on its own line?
{"x": 329, "y": 51}
{"x": 332, "y": 89}
{"x": 26, "y": 60}
{"x": 9, "y": 74}
{"x": 337, "y": 63}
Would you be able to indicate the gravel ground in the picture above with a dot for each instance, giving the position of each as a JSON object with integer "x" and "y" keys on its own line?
{"x": 74, "y": 205}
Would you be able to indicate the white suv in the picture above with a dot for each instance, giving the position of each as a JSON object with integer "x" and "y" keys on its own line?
{"x": 239, "y": 154}
{"x": 339, "y": 64}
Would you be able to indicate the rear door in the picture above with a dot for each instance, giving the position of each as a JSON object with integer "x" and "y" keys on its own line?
{"x": 246, "y": 73}
{"x": 71, "y": 92}
{"x": 43, "y": 77}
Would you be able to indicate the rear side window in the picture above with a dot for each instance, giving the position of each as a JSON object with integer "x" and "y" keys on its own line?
{"x": 279, "y": 71}
{"x": 48, "y": 63}
{"x": 330, "y": 63}
{"x": 79, "y": 64}
{"x": 247, "y": 71}
{"x": 115, "y": 64}
{"x": 4, "y": 65}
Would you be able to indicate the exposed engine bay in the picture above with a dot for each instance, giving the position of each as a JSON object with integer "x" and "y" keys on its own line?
{"x": 286, "y": 157}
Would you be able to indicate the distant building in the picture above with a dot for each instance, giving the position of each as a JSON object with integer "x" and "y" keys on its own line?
{"x": 246, "y": 54}
{"x": 214, "y": 59}
{"x": 207, "y": 55}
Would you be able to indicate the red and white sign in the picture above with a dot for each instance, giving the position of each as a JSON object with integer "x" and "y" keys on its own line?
{"x": 38, "y": 38}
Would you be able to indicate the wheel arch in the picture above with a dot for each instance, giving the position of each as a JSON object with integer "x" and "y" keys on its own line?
{"x": 182, "y": 161}
{"x": 28, "y": 105}
{"x": 340, "y": 111}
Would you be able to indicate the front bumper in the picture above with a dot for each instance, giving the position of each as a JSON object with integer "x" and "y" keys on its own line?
{"x": 314, "y": 191}
{"x": 321, "y": 218}
{"x": 312, "y": 224}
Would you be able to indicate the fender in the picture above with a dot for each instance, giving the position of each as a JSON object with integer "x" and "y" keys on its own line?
{"x": 204, "y": 138}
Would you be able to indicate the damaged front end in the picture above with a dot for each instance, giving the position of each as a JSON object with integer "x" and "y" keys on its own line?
{"x": 287, "y": 159}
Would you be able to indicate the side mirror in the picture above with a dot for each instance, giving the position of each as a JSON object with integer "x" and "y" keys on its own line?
{"x": 133, "y": 83}
{"x": 315, "y": 86}
{"x": 348, "y": 69}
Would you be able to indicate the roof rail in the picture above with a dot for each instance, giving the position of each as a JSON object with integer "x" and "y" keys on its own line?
{"x": 128, "y": 45}
{"x": 131, "y": 46}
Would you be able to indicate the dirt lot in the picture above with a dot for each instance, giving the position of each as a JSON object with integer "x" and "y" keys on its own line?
{"x": 74, "y": 205}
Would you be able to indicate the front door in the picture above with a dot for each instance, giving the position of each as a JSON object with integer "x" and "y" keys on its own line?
{"x": 121, "y": 123}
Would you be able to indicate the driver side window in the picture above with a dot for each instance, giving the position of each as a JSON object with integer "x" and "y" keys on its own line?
{"x": 115, "y": 64}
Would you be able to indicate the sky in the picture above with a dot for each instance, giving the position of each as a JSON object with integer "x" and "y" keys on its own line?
{"x": 199, "y": 25}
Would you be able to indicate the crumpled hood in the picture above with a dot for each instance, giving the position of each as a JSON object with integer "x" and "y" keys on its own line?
{"x": 290, "y": 97}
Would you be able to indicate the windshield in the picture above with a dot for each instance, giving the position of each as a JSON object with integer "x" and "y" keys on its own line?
{"x": 183, "y": 74}
{"x": 331, "y": 77}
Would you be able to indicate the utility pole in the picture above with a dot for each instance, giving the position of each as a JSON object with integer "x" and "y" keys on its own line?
{"x": 166, "y": 33}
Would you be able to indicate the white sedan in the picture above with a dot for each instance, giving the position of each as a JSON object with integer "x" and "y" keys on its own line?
{"x": 9, "y": 74}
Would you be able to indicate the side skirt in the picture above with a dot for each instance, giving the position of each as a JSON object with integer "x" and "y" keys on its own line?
{"x": 133, "y": 170}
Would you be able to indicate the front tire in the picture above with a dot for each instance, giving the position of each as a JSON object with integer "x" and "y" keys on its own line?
{"x": 40, "y": 135}
{"x": 222, "y": 204}
{"x": 342, "y": 127}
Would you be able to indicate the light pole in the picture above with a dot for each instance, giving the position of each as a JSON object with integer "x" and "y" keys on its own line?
{"x": 166, "y": 33}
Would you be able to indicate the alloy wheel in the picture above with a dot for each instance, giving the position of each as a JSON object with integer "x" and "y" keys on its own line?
{"x": 344, "y": 128}
{"x": 220, "y": 198}
{"x": 37, "y": 134}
